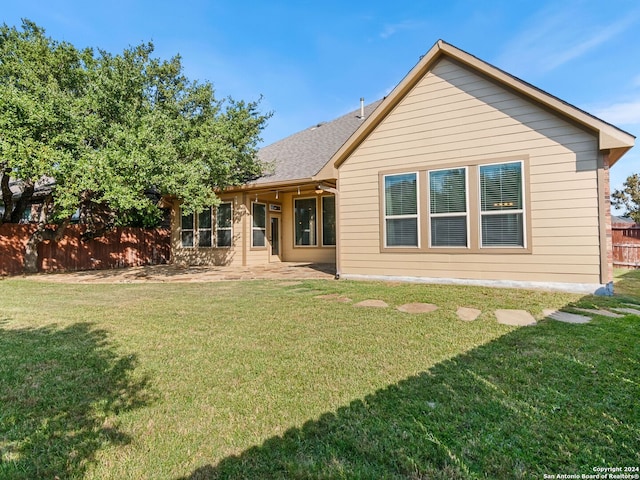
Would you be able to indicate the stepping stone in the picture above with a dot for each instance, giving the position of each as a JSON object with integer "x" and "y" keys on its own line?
{"x": 468, "y": 314}
{"x": 372, "y": 303}
{"x": 518, "y": 318}
{"x": 566, "y": 317}
{"x": 598, "y": 311}
{"x": 633, "y": 311}
{"x": 417, "y": 307}
{"x": 336, "y": 297}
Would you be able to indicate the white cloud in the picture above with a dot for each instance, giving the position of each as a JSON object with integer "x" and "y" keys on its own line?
{"x": 557, "y": 35}
{"x": 392, "y": 29}
{"x": 623, "y": 113}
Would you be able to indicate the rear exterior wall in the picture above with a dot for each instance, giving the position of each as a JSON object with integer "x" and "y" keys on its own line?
{"x": 455, "y": 117}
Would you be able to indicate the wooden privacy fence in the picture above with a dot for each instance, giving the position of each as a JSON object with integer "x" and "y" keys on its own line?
{"x": 626, "y": 245}
{"x": 122, "y": 247}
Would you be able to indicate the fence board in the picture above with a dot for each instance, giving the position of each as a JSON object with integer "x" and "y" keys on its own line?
{"x": 122, "y": 247}
{"x": 626, "y": 245}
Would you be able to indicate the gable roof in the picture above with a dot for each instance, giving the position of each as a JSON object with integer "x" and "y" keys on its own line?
{"x": 303, "y": 154}
{"x": 611, "y": 138}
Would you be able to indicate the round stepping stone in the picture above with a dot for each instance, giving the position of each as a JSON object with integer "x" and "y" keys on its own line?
{"x": 468, "y": 314}
{"x": 372, "y": 303}
{"x": 517, "y": 318}
{"x": 418, "y": 307}
{"x": 566, "y": 317}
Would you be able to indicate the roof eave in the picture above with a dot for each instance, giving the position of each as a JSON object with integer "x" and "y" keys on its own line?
{"x": 610, "y": 137}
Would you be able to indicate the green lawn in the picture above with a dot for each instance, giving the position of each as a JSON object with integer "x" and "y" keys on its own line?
{"x": 261, "y": 379}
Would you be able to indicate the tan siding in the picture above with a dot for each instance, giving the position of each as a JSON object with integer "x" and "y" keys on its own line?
{"x": 454, "y": 117}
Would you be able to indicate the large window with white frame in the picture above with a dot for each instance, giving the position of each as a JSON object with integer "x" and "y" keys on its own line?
{"x": 401, "y": 210}
{"x": 206, "y": 230}
{"x": 224, "y": 225}
{"x": 328, "y": 221}
{"x": 448, "y": 208}
{"x": 187, "y": 232}
{"x": 305, "y": 218}
{"x": 502, "y": 205}
{"x": 259, "y": 225}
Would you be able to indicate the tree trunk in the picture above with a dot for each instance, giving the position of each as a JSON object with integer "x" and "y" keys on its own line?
{"x": 40, "y": 235}
{"x": 24, "y": 201}
{"x": 7, "y": 194}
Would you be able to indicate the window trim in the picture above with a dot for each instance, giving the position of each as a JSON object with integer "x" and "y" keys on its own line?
{"x": 385, "y": 217}
{"x": 317, "y": 228}
{"x": 192, "y": 230}
{"x": 322, "y": 244}
{"x": 266, "y": 221}
{"x": 214, "y": 229}
{"x": 230, "y": 227}
{"x": 210, "y": 229}
{"x": 473, "y": 208}
{"x": 521, "y": 211}
{"x": 445, "y": 215}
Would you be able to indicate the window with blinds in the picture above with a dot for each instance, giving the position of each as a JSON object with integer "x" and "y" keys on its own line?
{"x": 328, "y": 221}
{"x": 501, "y": 205}
{"x": 448, "y": 207}
{"x": 401, "y": 210}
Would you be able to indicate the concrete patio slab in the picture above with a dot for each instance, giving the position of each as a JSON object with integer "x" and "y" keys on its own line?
{"x": 285, "y": 271}
{"x": 372, "y": 303}
{"x": 418, "y": 307}
{"x": 565, "y": 317}
{"x": 518, "y": 318}
{"x": 467, "y": 314}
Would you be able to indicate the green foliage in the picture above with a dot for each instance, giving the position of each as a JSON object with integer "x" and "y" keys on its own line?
{"x": 111, "y": 128}
{"x": 629, "y": 197}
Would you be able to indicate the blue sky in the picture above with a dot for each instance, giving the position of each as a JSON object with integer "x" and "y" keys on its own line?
{"x": 312, "y": 61}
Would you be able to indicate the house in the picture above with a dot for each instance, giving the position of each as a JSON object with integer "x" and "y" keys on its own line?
{"x": 462, "y": 174}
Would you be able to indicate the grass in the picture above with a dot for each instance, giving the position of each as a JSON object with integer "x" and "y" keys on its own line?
{"x": 263, "y": 380}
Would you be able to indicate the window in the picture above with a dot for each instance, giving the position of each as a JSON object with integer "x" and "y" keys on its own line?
{"x": 501, "y": 205}
{"x": 187, "y": 230}
{"x": 224, "y": 224}
{"x": 328, "y": 221}
{"x": 259, "y": 225}
{"x": 401, "y": 210}
{"x": 204, "y": 228}
{"x": 305, "y": 219}
{"x": 448, "y": 207}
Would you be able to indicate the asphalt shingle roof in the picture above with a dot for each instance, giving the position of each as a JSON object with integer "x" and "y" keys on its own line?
{"x": 303, "y": 154}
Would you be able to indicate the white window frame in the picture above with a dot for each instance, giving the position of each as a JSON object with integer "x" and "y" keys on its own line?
{"x": 322, "y": 220}
{"x": 316, "y": 227}
{"x": 400, "y": 217}
{"x": 192, "y": 230}
{"x": 521, "y": 211}
{"x": 229, "y": 228}
{"x": 444, "y": 215}
{"x": 253, "y": 227}
{"x": 199, "y": 229}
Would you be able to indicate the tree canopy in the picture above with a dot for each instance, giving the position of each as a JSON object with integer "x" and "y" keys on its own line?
{"x": 115, "y": 131}
{"x": 629, "y": 197}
